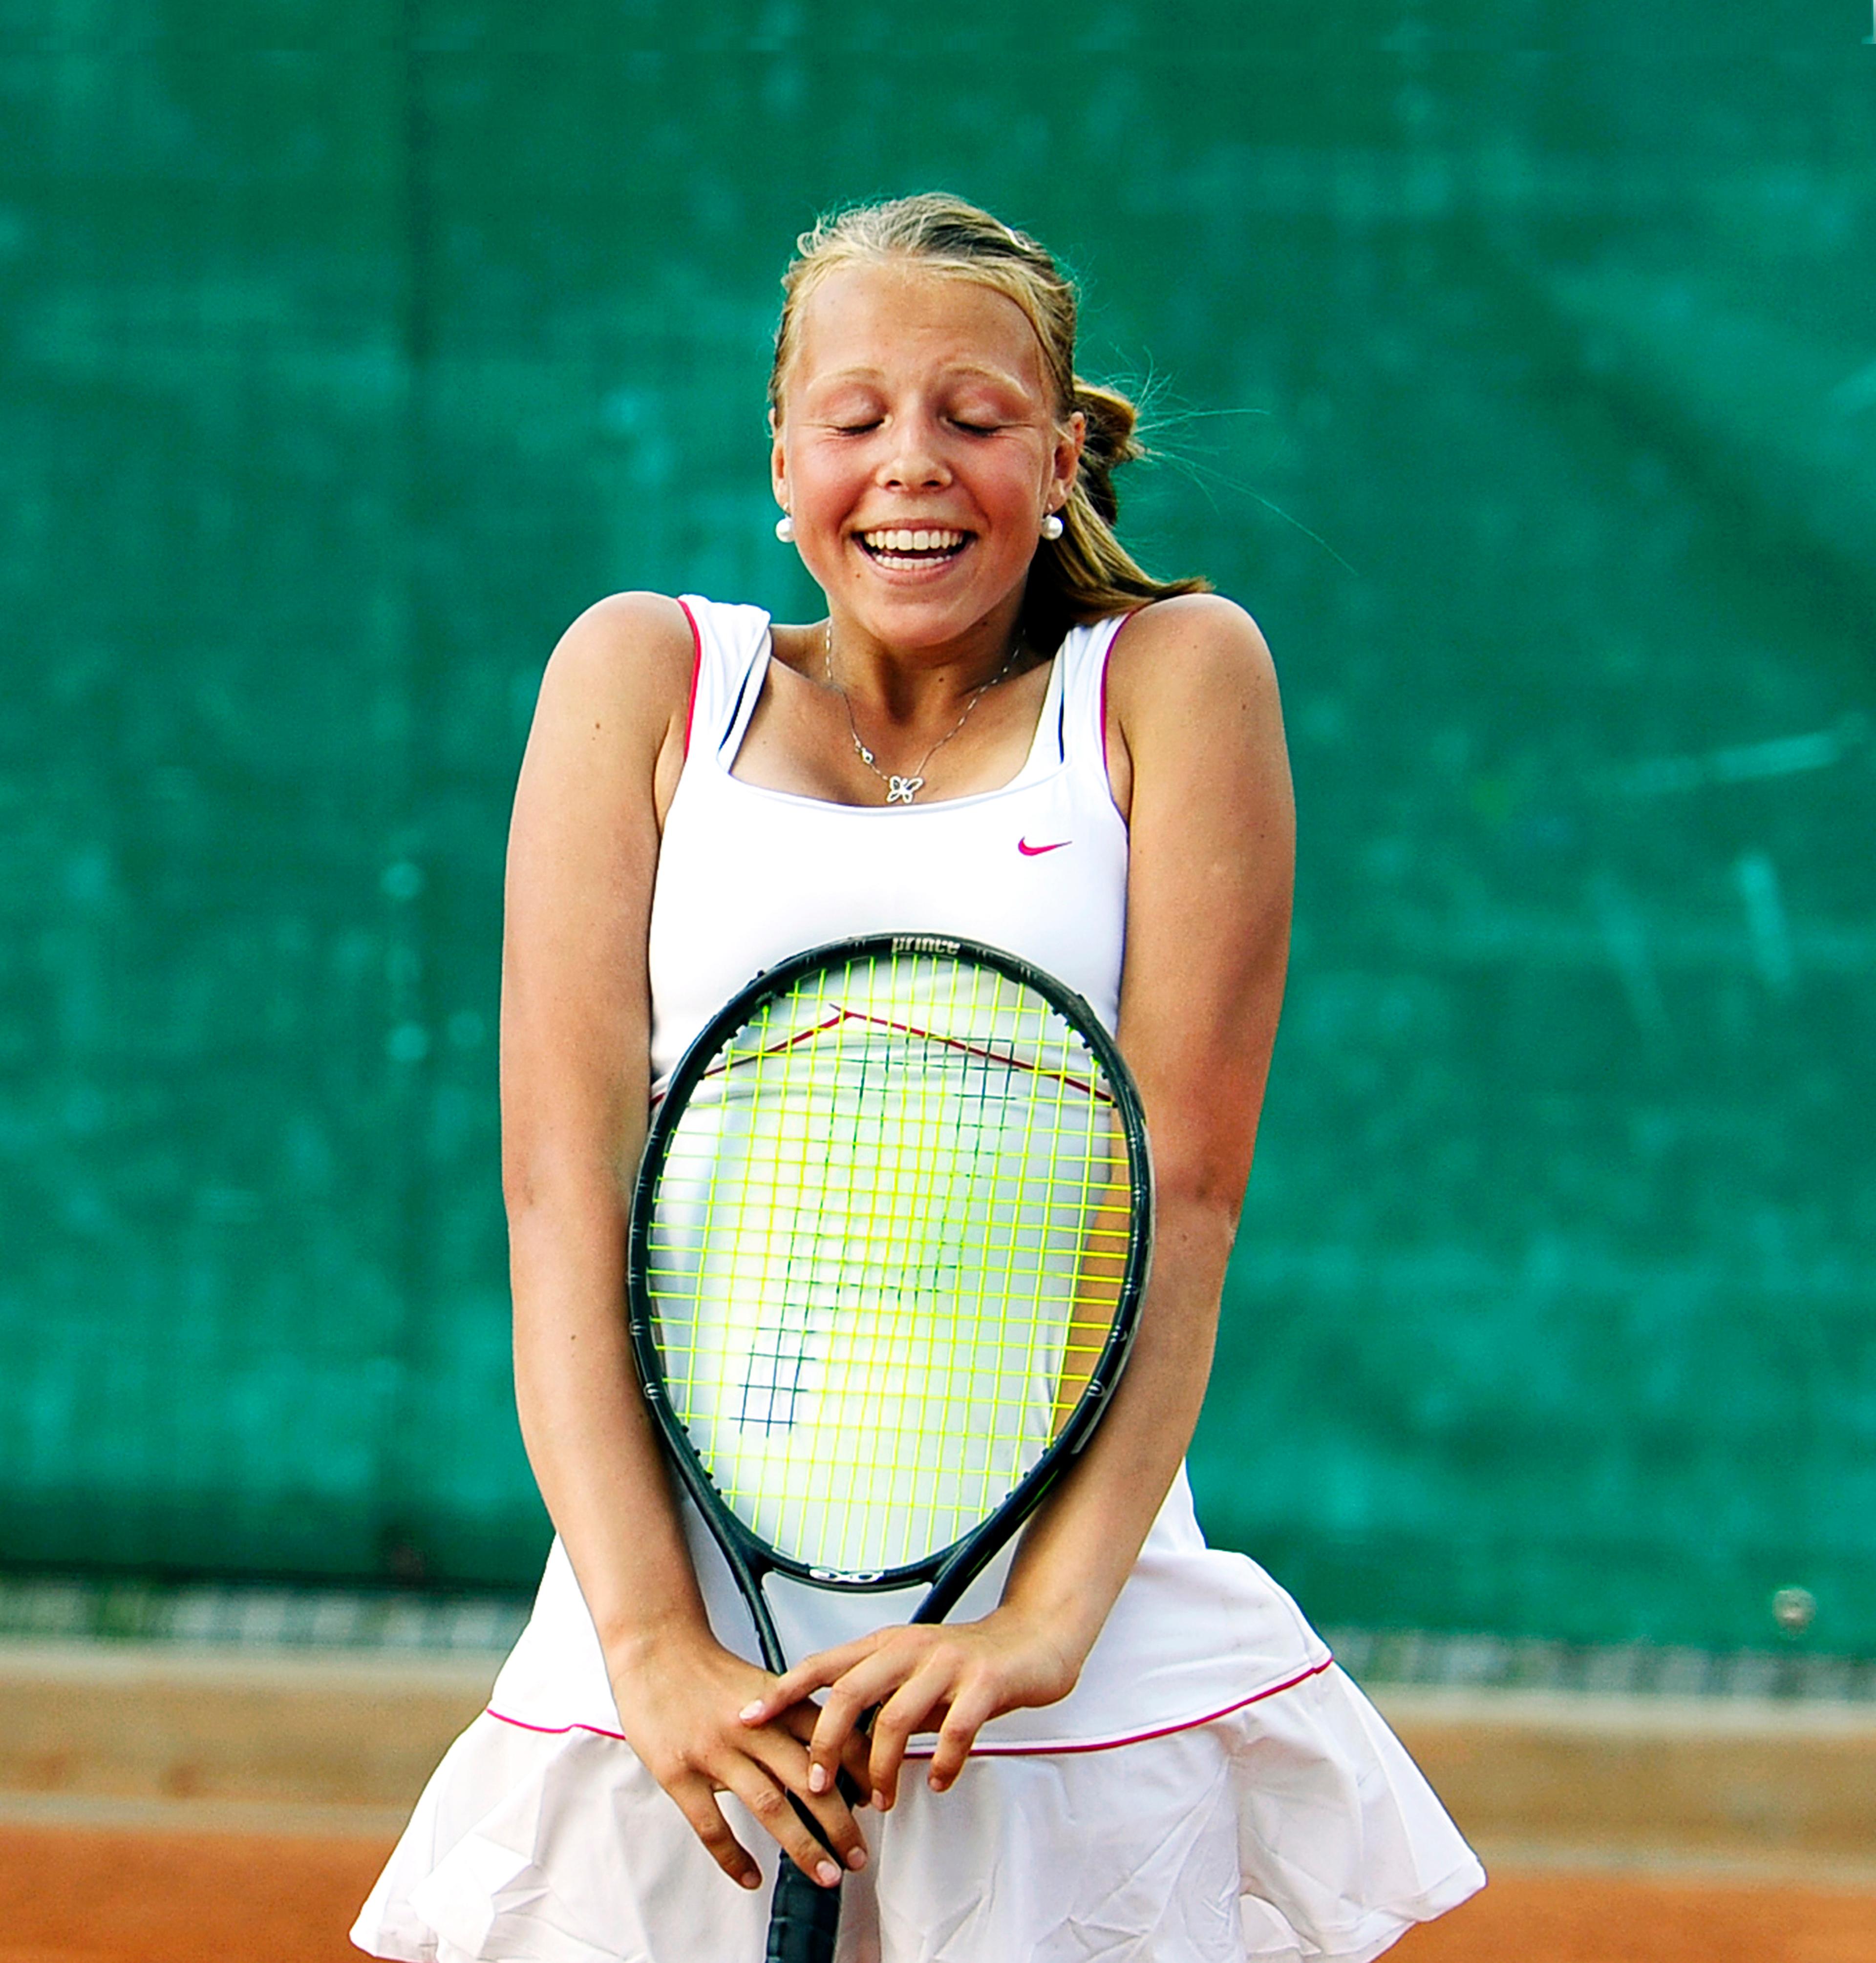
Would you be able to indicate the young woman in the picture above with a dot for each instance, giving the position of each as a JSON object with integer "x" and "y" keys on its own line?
{"x": 1003, "y": 728}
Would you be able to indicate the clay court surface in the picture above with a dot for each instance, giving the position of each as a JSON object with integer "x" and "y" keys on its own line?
{"x": 87, "y": 1895}
{"x": 159, "y": 1805}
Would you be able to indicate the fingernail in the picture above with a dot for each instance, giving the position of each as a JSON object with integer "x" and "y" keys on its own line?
{"x": 936, "y": 1784}
{"x": 827, "y": 1874}
{"x": 880, "y": 1800}
{"x": 817, "y": 1779}
{"x": 857, "y": 1859}
{"x": 753, "y": 1879}
{"x": 750, "y": 1712}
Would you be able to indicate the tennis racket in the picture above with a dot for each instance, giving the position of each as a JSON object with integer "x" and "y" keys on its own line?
{"x": 887, "y": 1247}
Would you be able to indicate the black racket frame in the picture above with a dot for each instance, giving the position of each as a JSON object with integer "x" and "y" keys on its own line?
{"x": 950, "y": 1570}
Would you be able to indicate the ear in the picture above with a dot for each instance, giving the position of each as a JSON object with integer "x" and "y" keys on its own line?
{"x": 778, "y": 462}
{"x": 1071, "y": 438}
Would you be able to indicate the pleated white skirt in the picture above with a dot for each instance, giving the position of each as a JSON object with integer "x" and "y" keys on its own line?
{"x": 1214, "y": 1787}
{"x": 1295, "y": 1827}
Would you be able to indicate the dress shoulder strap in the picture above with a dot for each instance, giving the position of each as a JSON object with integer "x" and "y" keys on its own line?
{"x": 1083, "y": 659}
{"x": 731, "y": 654}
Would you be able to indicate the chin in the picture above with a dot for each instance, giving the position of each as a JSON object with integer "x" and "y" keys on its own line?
{"x": 930, "y": 612}
{"x": 916, "y": 624}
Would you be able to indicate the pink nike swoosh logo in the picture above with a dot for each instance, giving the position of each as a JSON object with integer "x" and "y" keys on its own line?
{"x": 1035, "y": 851}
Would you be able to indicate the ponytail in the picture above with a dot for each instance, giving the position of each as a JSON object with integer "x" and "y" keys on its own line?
{"x": 1087, "y": 573}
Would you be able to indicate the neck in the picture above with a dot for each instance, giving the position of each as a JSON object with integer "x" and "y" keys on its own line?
{"x": 903, "y": 785}
{"x": 910, "y": 685}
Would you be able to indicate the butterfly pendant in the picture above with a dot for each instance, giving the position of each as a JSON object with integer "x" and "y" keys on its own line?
{"x": 902, "y": 790}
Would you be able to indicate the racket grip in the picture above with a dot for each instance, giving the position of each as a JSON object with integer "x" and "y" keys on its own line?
{"x": 804, "y": 1918}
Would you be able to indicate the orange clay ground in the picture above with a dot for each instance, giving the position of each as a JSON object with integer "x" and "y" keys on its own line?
{"x": 90, "y": 1895}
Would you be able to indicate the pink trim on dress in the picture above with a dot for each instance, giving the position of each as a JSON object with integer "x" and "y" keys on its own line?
{"x": 996, "y": 1751}
{"x": 1131, "y": 1737}
{"x": 551, "y": 1731}
{"x": 697, "y": 667}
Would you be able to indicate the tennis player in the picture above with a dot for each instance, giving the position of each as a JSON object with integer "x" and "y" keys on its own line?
{"x": 1123, "y": 1744}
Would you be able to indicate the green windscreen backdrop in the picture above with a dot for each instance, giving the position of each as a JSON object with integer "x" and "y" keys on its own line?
{"x": 1514, "y": 363}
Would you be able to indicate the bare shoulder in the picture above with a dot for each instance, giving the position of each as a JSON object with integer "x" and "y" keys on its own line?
{"x": 629, "y": 654}
{"x": 1194, "y": 644}
{"x": 609, "y": 723}
{"x": 1191, "y": 696}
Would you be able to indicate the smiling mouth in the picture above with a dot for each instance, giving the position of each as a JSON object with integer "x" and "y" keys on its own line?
{"x": 902, "y": 546}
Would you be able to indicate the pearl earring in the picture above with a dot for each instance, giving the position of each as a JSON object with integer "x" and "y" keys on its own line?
{"x": 785, "y": 529}
{"x": 1051, "y": 525}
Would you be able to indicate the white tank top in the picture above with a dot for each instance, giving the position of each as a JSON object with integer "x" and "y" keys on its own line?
{"x": 748, "y": 875}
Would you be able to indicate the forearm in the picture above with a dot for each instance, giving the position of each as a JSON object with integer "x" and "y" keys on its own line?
{"x": 589, "y": 1440}
{"x": 1078, "y": 1550}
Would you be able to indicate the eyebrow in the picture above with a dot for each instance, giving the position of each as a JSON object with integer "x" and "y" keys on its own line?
{"x": 964, "y": 371}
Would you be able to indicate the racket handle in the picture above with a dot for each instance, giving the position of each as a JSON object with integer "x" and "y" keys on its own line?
{"x": 804, "y": 1918}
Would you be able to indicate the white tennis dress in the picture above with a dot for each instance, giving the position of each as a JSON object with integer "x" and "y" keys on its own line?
{"x": 1214, "y": 1789}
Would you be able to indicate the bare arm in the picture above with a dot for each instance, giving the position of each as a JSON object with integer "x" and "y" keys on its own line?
{"x": 575, "y": 1041}
{"x": 1193, "y": 698}
{"x": 1211, "y": 861}
{"x": 603, "y": 751}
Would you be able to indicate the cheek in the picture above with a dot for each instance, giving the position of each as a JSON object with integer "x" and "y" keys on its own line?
{"x": 820, "y": 472}
{"x": 1021, "y": 491}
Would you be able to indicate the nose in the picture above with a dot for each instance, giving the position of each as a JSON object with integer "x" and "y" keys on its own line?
{"x": 915, "y": 458}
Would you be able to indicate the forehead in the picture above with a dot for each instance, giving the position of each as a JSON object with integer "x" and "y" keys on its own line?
{"x": 890, "y": 319}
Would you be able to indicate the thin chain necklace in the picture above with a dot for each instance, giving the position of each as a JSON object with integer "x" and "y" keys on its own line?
{"x": 903, "y": 790}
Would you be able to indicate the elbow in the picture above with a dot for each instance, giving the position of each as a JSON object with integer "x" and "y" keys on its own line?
{"x": 547, "y": 1181}
{"x": 528, "y": 1198}
{"x": 1199, "y": 1204}
{"x": 562, "y": 1222}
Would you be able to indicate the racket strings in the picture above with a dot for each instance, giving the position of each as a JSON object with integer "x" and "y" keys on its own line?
{"x": 885, "y": 1255}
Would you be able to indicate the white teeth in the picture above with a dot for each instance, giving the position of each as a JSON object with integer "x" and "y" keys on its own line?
{"x": 899, "y": 541}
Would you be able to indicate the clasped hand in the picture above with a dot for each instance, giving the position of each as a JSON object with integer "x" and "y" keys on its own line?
{"x": 952, "y": 1678}
{"x": 709, "y": 1724}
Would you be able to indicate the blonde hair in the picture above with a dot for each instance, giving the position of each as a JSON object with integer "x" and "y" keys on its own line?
{"x": 1087, "y": 573}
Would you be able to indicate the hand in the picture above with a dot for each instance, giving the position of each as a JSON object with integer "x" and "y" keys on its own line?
{"x": 678, "y": 1705}
{"x": 952, "y": 1678}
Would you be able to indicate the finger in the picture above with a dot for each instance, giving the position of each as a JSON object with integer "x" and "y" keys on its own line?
{"x": 865, "y": 1688}
{"x": 837, "y": 1722}
{"x": 769, "y": 1807}
{"x": 851, "y": 1777}
{"x": 971, "y": 1709}
{"x": 786, "y": 1763}
{"x": 698, "y": 1805}
{"x": 843, "y": 1830}
{"x": 812, "y": 1673}
{"x": 909, "y": 1709}
{"x": 798, "y": 1721}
